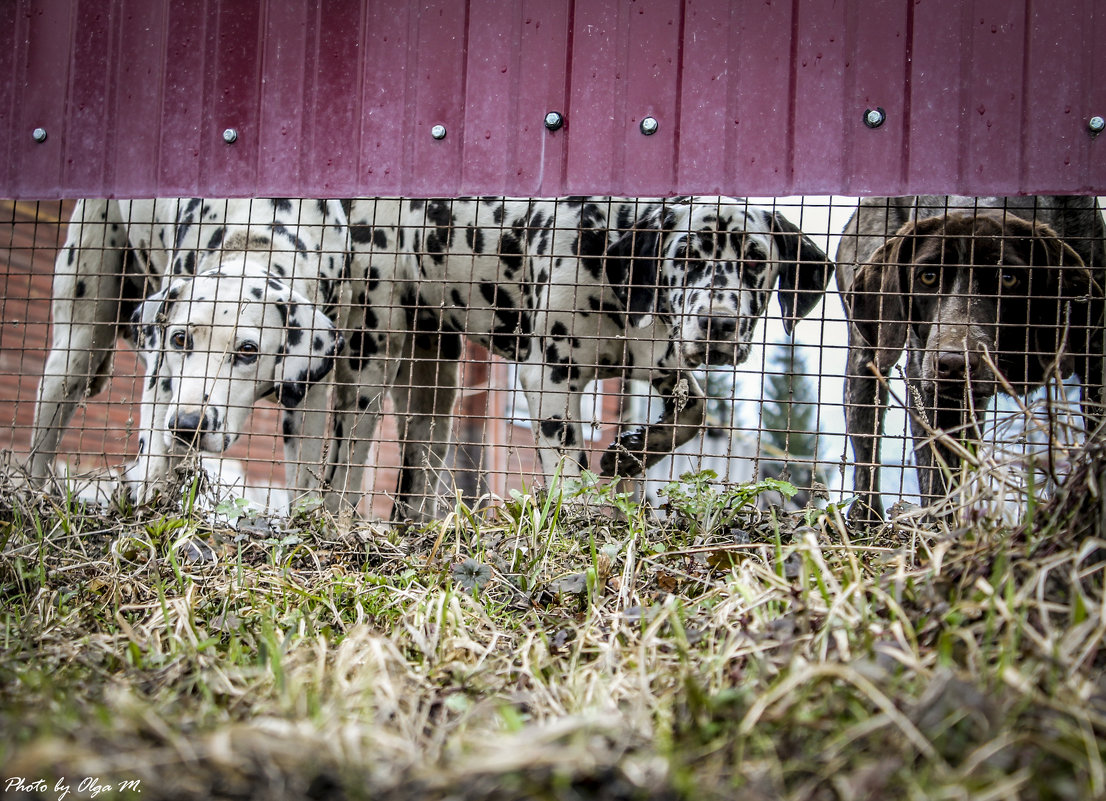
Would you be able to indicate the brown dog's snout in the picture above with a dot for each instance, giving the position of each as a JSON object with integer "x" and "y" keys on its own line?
{"x": 956, "y": 365}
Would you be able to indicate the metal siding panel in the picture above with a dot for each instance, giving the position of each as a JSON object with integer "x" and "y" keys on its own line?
{"x": 596, "y": 100}
{"x": 937, "y": 52}
{"x": 624, "y": 68}
{"x": 1054, "y": 125}
{"x": 182, "y": 101}
{"x": 41, "y": 102}
{"x": 752, "y": 96}
{"x": 1092, "y": 172}
{"x": 11, "y": 15}
{"x": 289, "y": 27}
{"x": 437, "y": 86}
{"x": 138, "y": 98}
{"x": 545, "y": 43}
{"x": 708, "y": 66}
{"x": 818, "y": 118}
{"x": 758, "y": 151}
{"x": 650, "y": 66}
{"x": 515, "y": 65}
{"x": 492, "y": 112}
{"x": 234, "y": 41}
{"x": 994, "y": 92}
{"x": 876, "y": 66}
{"x": 89, "y": 156}
{"x": 384, "y": 97}
{"x": 332, "y": 123}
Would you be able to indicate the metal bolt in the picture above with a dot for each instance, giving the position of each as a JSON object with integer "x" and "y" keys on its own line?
{"x": 230, "y": 136}
{"x": 1096, "y": 124}
{"x": 554, "y": 120}
{"x": 874, "y": 117}
{"x": 438, "y": 132}
{"x": 39, "y": 135}
{"x": 649, "y": 126}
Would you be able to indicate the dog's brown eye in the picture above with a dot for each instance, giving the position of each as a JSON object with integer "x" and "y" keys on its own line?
{"x": 247, "y": 351}
{"x": 928, "y": 278}
{"x": 1010, "y": 280}
{"x": 179, "y": 340}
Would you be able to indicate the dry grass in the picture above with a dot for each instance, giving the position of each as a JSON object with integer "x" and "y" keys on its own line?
{"x": 538, "y": 650}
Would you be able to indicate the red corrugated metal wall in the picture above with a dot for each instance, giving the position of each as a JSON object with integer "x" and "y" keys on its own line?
{"x": 338, "y": 97}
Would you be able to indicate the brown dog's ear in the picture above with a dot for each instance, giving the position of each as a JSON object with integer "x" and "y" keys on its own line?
{"x": 1040, "y": 246}
{"x": 875, "y": 303}
{"x": 1068, "y": 284}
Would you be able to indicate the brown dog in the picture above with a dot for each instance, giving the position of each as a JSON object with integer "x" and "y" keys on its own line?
{"x": 964, "y": 293}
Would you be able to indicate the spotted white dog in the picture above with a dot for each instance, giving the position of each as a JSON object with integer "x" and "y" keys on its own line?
{"x": 573, "y": 290}
{"x": 229, "y": 301}
{"x": 238, "y": 300}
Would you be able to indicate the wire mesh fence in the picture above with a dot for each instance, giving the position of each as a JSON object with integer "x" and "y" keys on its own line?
{"x": 395, "y": 356}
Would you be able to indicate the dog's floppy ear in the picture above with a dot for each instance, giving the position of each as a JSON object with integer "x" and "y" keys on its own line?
{"x": 805, "y": 271}
{"x": 875, "y": 303}
{"x": 1060, "y": 278}
{"x": 307, "y": 354}
{"x": 632, "y": 267}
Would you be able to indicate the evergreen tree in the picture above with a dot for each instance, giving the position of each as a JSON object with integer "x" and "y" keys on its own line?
{"x": 789, "y": 438}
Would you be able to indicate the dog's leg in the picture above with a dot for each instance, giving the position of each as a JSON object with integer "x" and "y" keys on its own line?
{"x": 865, "y": 410}
{"x": 938, "y": 464}
{"x": 362, "y": 382}
{"x": 304, "y": 430}
{"x": 424, "y": 394}
{"x": 555, "y": 418}
{"x": 154, "y": 461}
{"x": 87, "y": 293}
{"x": 929, "y": 456}
{"x": 685, "y": 410}
{"x": 1092, "y": 388}
{"x": 358, "y": 398}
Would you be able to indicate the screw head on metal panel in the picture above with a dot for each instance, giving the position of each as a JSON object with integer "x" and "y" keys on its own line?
{"x": 230, "y": 136}
{"x": 1096, "y": 124}
{"x": 874, "y": 117}
{"x": 438, "y": 132}
{"x": 554, "y": 120}
{"x": 649, "y": 126}
{"x": 39, "y": 135}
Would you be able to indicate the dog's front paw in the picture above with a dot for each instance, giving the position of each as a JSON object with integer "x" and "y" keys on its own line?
{"x": 865, "y": 513}
{"x": 625, "y": 456}
{"x": 139, "y": 483}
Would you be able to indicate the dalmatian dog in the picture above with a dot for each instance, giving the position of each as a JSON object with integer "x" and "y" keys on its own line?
{"x": 228, "y": 301}
{"x": 571, "y": 290}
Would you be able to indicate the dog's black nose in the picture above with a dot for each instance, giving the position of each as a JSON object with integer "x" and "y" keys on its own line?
{"x": 718, "y": 328}
{"x": 955, "y": 365}
{"x": 188, "y": 426}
